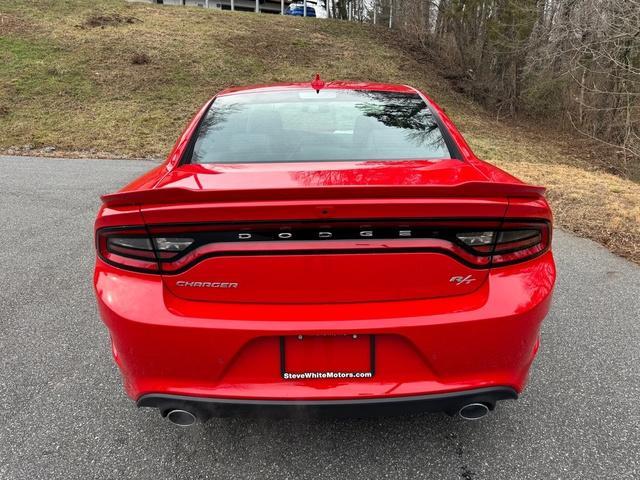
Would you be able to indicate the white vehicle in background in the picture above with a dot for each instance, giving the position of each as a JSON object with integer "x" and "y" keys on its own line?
{"x": 318, "y": 6}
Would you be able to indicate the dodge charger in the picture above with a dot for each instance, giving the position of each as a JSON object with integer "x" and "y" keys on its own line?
{"x": 323, "y": 248}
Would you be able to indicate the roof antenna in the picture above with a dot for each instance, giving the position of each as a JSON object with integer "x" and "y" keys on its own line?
{"x": 317, "y": 83}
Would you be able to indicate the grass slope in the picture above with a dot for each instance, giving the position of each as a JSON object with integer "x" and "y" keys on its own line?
{"x": 111, "y": 78}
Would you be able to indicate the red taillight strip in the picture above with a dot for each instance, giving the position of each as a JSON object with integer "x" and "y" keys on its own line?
{"x": 483, "y": 256}
{"x": 518, "y": 256}
{"x": 134, "y": 264}
{"x": 132, "y": 252}
{"x": 518, "y": 245}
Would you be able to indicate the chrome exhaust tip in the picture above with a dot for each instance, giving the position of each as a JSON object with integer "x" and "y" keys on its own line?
{"x": 181, "y": 418}
{"x": 473, "y": 411}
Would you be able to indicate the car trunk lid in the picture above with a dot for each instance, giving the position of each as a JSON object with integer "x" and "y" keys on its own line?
{"x": 347, "y": 233}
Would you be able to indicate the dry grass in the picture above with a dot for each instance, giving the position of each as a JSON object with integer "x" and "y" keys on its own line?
{"x": 585, "y": 199}
{"x": 111, "y": 78}
{"x": 600, "y": 206}
{"x": 108, "y": 20}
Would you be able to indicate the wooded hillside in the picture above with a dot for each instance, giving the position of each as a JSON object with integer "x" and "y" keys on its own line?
{"x": 571, "y": 63}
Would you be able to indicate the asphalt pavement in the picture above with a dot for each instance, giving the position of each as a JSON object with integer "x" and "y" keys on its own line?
{"x": 64, "y": 413}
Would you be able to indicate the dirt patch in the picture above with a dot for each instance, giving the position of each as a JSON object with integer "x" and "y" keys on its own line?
{"x": 12, "y": 24}
{"x": 140, "y": 59}
{"x": 108, "y": 20}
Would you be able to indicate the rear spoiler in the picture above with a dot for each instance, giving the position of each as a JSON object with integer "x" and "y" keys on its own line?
{"x": 173, "y": 195}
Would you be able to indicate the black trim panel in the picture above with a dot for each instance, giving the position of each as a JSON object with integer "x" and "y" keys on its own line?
{"x": 452, "y": 146}
{"x": 205, "y": 408}
{"x": 187, "y": 153}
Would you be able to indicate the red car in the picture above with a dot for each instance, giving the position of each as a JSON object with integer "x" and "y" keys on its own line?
{"x": 317, "y": 248}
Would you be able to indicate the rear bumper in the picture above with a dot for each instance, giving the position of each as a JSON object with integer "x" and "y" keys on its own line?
{"x": 165, "y": 345}
{"x": 205, "y": 408}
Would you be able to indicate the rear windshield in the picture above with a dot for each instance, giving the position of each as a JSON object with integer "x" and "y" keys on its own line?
{"x": 306, "y": 126}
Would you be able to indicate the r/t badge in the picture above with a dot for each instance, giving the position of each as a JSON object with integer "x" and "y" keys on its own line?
{"x": 458, "y": 280}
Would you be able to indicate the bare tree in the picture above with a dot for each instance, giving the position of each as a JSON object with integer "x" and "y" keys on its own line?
{"x": 574, "y": 62}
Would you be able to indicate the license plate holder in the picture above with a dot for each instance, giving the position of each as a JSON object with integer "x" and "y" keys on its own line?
{"x": 317, "y": 357}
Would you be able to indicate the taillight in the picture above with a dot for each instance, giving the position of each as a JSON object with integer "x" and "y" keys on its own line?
{"x": 517, "y": 242}
{"x": 481, "y": 242}
{"x": 173, "y": 248}
{"x": 133, "y": 248}
{"x": 172, "y": 244}
{"x": 129, "y": 248}
{"x": 514, "y": 242}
